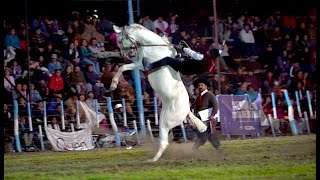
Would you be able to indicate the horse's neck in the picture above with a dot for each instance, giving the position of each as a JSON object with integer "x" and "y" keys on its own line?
{"x": 156, "y": 53}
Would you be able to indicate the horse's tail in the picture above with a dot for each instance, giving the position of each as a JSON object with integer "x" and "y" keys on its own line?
{"x": 197, "y": 122}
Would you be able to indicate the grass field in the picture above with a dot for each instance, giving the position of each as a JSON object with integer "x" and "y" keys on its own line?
{"x": 263, "y": 158}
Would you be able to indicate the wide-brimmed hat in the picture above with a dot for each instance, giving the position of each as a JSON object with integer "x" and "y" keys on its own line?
{"x": 204, "y": 81}
{"x": 54, "y": 56}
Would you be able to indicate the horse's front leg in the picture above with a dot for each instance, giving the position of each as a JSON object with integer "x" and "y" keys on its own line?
{"x": 125, "y": 67}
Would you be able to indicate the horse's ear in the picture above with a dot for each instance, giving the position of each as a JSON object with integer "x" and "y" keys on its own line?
{"x": 116, "y": 29}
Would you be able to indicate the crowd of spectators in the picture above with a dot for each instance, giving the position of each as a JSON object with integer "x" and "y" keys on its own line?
{"x": 63, "y": 62}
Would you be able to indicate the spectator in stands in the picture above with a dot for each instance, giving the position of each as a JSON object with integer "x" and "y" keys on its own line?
{"x": 88, "y": 56}
{"x": 38, "y": 112}
{"x": 238, "y": 79}
{"x": 54, "y": 64}
{"x": 173, "y": 26}
{"x": 49, "y": 50}
{"x": 161, "y": 26}
{"x": 91, "y": 101}
{"x": 38, "y": 40}
{"x": 12, "y": 42}
{"x": 267, "y": 83}
{"x": 9, "y": 82}
{"x": 72, "y": 54}
{"x": 16, "y": 93}
{"x": 54, "y": 105}
{"x": 268, "y": 57}
{"x": 242, "y": 90}
{"x": 38, "y": 23}
{"x": 22, "y": 106}
{"x": 34, "y": 94}
{"x": 56, "y": 84}
{"x": 92, "y": 78}
{"x": 252, "y": 93}
{"x": 248, "y": 41}
{"x": 203, "y": 46}
{"x": 106, "y": 26}
{"x": 78, "y": 80}
{"x": 147, "y": 23}
{"x": 54, "y": 123}
{"x": 107, "y": 75}
{"x": 241, "y": 22}
{"x": 283, "y": 61}
{"x": 118, "y": 115}
{"x": 26, "y": 134}
{"x": 252, "y": 79}
{"x": 16, "y": 70}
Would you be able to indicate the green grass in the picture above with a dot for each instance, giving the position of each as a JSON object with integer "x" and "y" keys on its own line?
{"x": 263, "y": 158}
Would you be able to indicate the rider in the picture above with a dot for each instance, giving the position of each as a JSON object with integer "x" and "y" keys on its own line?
{"x": 197, "y": 63}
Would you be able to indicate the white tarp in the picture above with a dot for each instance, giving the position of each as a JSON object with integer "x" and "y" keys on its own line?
{"x": 78, "y": 140}
{"x": 67, "y": 141}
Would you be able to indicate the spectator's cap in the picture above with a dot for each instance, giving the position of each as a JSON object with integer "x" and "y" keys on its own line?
{"x": 54, "y": 56}
{"x": 204, "y": 81}
{"x": 117, "y": 106}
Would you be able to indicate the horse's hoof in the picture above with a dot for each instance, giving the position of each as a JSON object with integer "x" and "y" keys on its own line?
{"x": 151, "y": 160}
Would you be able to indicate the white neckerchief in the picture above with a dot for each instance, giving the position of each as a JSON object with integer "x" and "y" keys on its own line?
{"x": 203, "y": 92}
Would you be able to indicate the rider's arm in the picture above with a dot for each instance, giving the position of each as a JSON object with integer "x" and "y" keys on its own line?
{"x": 193, "y": 54}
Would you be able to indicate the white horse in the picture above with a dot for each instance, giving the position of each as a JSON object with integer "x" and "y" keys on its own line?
{"x": 165, "y": 81}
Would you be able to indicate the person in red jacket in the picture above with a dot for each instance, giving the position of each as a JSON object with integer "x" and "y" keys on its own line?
{"x": 56, "y": 85}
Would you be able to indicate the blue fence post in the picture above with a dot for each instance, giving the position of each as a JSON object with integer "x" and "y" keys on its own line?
{"x": 290, "y": 114}
{"x": 150, "y": 130}
{"x": 137, "y": 82}
{"x": 62, "y": 115}
{"x": 306, "y": 119}
{"x": 183, "y": 133}
{"x": 77, "y": 114}
{"x": 45, "y": 120}
{"x": 29, "y": 117}
{"x": 271, "y": 125}
{"x": 41, "y": 138}
{"x": 274, "y": 109}
{"x": 156, "y": 116}
{"x": 16, "y": 125}
{"x": 113, "y": 123}
{"x": 298, "y": 104}
{"x": 309, "y": 104}
{"x": 124, "y": 108}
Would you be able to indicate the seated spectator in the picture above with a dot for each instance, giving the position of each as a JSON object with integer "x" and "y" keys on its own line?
{"x": 16, "y": 70}
{"x": 66, "y": 75}
{"x": 56, "y": 84}
{"x": 161, "y": 26}
{"x": 92, "y": 78}
{"x": 38, "y": 112}
{"x": 252, "y": 93}
{"x": 54, "y": 64}
{"x": 54, "y": 123}
{"x": 78, "y": 80}
{"x": 242, "y": 90}
{"x": 55, "y": 105}
{"x": 9, "y": 82}
{"x": 12, "y": 44}
{"x": 252, "y": 79}
{"x": 34, "y": 94}
{"x": 88, "y": 56}
{"x": 107, "y": 75}
{"x": 147, "y": 23}
{"x": 72, "y": 54}
{"x": 16, "y": 93}
{"x": 91, "y": 101}
{"x": 26, "y": 134}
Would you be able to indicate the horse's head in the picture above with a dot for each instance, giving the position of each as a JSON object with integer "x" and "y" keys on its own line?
{"x": 150, "y": 45}
{"x": 126, "y": 42}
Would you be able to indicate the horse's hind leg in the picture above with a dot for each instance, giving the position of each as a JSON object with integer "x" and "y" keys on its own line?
{"x": 163, "y": 138}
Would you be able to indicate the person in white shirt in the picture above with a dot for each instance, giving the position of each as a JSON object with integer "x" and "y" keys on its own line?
{"x": 248, "y": 41}
{"x": 161, "y": 26}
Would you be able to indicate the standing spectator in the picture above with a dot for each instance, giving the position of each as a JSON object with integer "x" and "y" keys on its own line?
{"x": 207, "y": 100}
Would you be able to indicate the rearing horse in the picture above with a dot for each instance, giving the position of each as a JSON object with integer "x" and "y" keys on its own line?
{"x": 165, "y": 81}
